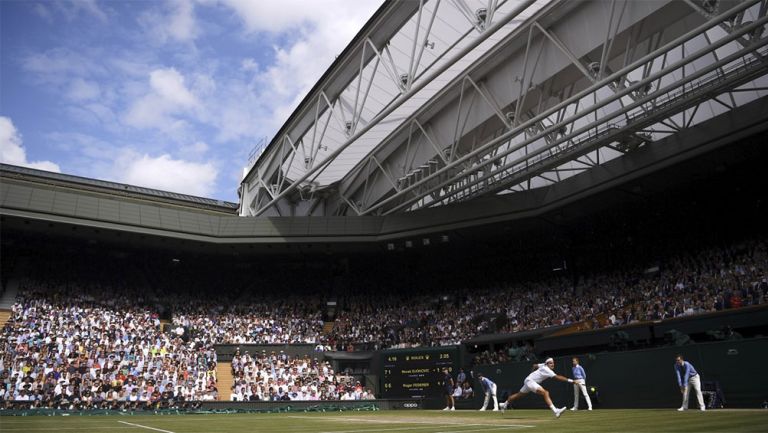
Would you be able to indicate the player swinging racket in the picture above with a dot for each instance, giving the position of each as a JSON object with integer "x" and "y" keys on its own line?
{"x": 540, "y": 373}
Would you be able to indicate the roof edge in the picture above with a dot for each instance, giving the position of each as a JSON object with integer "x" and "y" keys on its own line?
{"x": 8, "y": 170}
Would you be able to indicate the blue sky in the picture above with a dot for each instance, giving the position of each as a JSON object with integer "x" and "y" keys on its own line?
{"x": 170, "y": 95}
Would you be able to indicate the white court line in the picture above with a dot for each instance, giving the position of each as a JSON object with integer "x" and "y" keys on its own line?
{"x": 477, "y": 429}
{"x": 433, "y": 423}
{"x": 48, "y": 419}
{"x": 61, "y": 428}
{"x": 380, "y": 421}
{"x": 146, "y": 427}
{"x": 487, "y": 428}
{"x": 193, "y": 418}
{"x": 393, "y": 429}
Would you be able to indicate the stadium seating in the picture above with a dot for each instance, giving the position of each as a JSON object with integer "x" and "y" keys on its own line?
{"x": 90, "y": 336}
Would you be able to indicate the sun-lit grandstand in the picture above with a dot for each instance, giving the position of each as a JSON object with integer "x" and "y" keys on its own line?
{"x": 473, "y": 187}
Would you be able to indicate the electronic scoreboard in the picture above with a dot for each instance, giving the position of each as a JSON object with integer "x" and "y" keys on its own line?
{"x": 416, "y": 373}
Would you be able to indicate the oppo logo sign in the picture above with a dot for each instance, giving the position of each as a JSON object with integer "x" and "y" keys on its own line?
{"x": 411, "y": 405}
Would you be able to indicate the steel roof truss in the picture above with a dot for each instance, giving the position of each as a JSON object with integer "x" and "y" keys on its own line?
{"x": 554, "y": 151}
{"x": 623, "y": 92}
{"x": 435, "y": 71}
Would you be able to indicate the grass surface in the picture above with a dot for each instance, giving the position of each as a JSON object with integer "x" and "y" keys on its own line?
{"x": 421, "y": 421}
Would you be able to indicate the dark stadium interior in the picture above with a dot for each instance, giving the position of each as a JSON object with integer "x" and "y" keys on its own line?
{"x": 712, "y": 201}
{"x": 698, "y": 216}
{"x": 730, "y": 176}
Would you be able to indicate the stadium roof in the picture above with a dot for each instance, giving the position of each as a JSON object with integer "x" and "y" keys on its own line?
{"x": 435, "y": 37}
{"x": 436, "y": 102}
{"x": 374, "y": 90}
{"x": 31, "y": 199}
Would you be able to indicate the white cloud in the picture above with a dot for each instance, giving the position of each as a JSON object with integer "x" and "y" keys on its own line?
{"x": 188, "y": 171}
{"x": 235, "y": 111}
{"x": 90, "y": 7}
{"x": 149, "y": 111}
{"x": 130, "y": 66}
{"x": 81, "y": 145}
{"x": 169, "y": 85}
{"x": 73, "y": 9}
{"x": 168, "y": 174}
{"x": 58, "y": 65}
{"x": 176, "y": 22}
{"x": 197, "y": 148}
{"x": 82, "y": 90}
{"x": 168, "y": 97}
{"x": 182, "y": 26}
{"x": 249, "y": 65}
{"x": 254, "y": 100}
{"x": 95, "y": 114}
{"x": 279, "y": 16}
{"x": 103, "y": 113}
{"x": 12, "y": 151}
{"x": 43, "y": 12}
{"x": 202, "y": 84}
{"x": 320, "y": 31}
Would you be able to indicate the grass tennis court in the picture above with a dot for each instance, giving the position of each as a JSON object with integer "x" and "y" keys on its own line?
{"x": 623, "y": 421}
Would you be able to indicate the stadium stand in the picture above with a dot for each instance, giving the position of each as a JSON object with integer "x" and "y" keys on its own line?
{"x": 280, "y": 377}
{"x": 86, "y": 326}
{"x": 98, "y": 343}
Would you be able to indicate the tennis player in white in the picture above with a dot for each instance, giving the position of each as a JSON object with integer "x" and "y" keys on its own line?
{"x": 532, "y": 383}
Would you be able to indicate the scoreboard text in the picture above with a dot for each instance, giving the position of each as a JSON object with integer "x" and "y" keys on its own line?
{"x": 416, "y": 373}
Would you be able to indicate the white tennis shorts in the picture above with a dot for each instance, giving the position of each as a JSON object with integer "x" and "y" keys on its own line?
{"x": 530, "y": 386}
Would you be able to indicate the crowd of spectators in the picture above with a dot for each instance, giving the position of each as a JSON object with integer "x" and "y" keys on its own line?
{"x": 514, "y": 352}
{"x": 92, "y": 338}
{"x": 710, "y": 280}
{"x": 95, "y": 349}
{"x": 283, "y": 321}
{"x": 379, "y": 322}
{"x": 80, "y": 347}
{"x": 280, "y": 377}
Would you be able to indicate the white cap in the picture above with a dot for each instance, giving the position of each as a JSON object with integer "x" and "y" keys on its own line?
{"x": 548, "y": 360}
